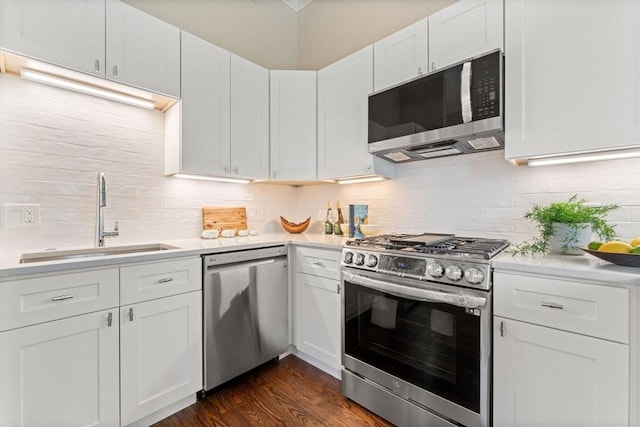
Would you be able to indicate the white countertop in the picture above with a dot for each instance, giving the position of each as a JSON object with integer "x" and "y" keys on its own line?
{"x": 583, "y": 267}
{"x": 10, "y": 261}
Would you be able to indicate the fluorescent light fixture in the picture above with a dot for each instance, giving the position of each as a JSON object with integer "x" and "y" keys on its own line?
{"x": 63, "y": 83}
{"x": 360, "y": 179}
{"x": 586, "y": 157}
{"x": 212, "y": 178}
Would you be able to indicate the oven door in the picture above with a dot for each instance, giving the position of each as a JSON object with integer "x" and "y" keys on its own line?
{"x": 424, "y": 342}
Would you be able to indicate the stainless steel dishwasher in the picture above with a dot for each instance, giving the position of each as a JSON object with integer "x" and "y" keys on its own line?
{"x": 246, "y": 307}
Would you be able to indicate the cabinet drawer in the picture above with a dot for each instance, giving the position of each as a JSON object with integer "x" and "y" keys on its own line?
{"x": 30, "y": 301}
{"x": 159, "y": 279}
{"x": 319, "y": 262}
{"x": 589, "y": 309}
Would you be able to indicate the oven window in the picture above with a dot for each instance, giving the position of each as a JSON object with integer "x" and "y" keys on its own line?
{"x": 434, "y": 346}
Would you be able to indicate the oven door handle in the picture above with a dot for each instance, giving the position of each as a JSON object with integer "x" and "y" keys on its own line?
{"x": 456, "y": 299}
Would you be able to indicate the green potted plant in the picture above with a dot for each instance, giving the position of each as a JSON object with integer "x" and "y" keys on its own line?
{"x": 566, "y": 226}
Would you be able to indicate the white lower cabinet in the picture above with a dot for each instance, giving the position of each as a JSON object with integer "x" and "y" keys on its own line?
{"x": 560, "y": 352}
{"x": 546, "y": 377}
{"x": 61, "y": 373}
{"x": 83, "y": 360}
{"x": 160, "y": 353}
{"x": 318, "y": 306}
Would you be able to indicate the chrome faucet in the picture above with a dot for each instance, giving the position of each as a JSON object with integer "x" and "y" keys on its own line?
{"x": 101, "y": 233}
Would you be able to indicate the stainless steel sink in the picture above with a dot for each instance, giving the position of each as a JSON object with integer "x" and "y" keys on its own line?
{"x": 55, "y": 255}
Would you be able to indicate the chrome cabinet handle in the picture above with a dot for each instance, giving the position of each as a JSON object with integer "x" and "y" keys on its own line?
{"x": 109, "y": 319}
{"x": 552, "y": 305}
{"x": 62, "y": 297}
{"x": 503, "y": 328}
{"x": 236, "y": 170}
{"x": 115, "y": 70}
{"x": 96, "y": 65}
{"x": 131, "y": 314}
{"x": 433, "y": 66}
{"x": 166, "y": 280}
{"x": 226, "y": 169}
{"x": 338, "y": 288}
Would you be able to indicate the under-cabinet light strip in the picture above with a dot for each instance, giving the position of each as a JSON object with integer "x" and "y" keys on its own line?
{"x": 360, "y": 180}
{"x": 579, "y": 158}
{"x": 63, "y": 83}
{"x": 212, "y": 178}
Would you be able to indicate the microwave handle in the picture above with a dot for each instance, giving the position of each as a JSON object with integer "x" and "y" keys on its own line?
{"x": 456, "y": 299}
{"x": 465, "y": 92}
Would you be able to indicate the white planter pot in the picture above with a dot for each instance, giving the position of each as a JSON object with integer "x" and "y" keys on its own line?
{"x": 571, "y": 237}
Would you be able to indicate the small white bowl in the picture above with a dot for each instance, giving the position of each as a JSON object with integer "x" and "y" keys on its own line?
{"x": 369, "y": 229}
{"x": 345, "y": 228}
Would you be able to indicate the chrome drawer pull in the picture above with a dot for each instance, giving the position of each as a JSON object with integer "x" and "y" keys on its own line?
{"x": 62, "y": 297}
{"x": 318, "y": 264}
{"x": 166, "y": 280}
{"x": 552, "y": 305}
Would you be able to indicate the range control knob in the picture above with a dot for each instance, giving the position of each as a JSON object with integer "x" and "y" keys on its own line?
{"x": 473, "y": 275}
{"x": 348, "y": 257}
{"x": 372, "y": 261}
{"x": 435, "y": 270}
{"x": 453, "y": 272}
{"x": 359, "y": 259}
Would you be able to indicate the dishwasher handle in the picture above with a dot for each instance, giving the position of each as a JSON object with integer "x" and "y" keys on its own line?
{"x": 246, "y": 264}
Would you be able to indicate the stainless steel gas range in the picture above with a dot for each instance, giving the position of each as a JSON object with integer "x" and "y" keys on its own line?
{"x": 416, "y": 327}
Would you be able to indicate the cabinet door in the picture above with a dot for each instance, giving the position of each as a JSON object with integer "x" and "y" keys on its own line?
{"x": 61, "y": 373}
{"x": 160, "y": 354}
{"x": 544, "y": 377}
{"x": 205, "y": 139}
{"x": 318, "y": 318}
{"x": 400, "y": 56}
{"x": 293, "y": 125}
{"x": 70, "y": 33}
{"x": 571, "y": 76}
{"x": 142, "y": 50}
{"x": 249, "y": 119}
{"x": 463, "y": 30}
{"x": 343, "y": 88}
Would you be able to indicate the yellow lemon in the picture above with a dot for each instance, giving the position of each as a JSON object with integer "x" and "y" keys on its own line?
{"x": 635, "y": 242}
{"x": 616, "y": 246}
{"x": 636, "y": 250}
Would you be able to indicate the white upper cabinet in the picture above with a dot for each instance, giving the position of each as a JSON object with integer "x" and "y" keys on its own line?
{"x": 104, "y": 38}
{"x": 293, "y": 125}
{"x": 572, "y": 77}
{"x": 142, "y": 50}
{"x": 249, "y": 119}
{"x": 70, "y": 33}
{"x": 204, "y": 142}
{"x": 400, "y": 56}
{"x": 343, "y": 90}
{"x": 463, "y": 30}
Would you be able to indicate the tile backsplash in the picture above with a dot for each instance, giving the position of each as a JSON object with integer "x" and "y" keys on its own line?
{"x": 53, "y": 143}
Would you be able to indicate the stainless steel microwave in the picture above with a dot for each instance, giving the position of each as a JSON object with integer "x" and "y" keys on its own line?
{"x": 456, "y": 110}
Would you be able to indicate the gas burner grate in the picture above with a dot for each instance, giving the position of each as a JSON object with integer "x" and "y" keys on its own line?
{"x": 462, "y": 246}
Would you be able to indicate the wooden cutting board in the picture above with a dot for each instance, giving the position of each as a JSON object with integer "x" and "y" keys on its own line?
{"x": 224, "y": 218}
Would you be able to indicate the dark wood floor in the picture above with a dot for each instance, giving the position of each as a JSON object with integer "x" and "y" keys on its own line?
{"x": 289, "y": 392}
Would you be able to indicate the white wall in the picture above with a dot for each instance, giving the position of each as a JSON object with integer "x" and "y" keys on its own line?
{"x": 53, "y": 143}
{"x": 482, "y": 195}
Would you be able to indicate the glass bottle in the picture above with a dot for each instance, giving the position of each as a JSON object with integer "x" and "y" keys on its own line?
{"x": 328, "y": 225}
{"x": 337, "y": 230}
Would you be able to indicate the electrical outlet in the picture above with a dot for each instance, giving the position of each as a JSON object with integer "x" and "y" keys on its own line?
{"x": 22, "y": 216}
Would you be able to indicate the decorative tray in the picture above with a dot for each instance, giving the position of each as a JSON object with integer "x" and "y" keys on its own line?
{"x": 627, "y": 260}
